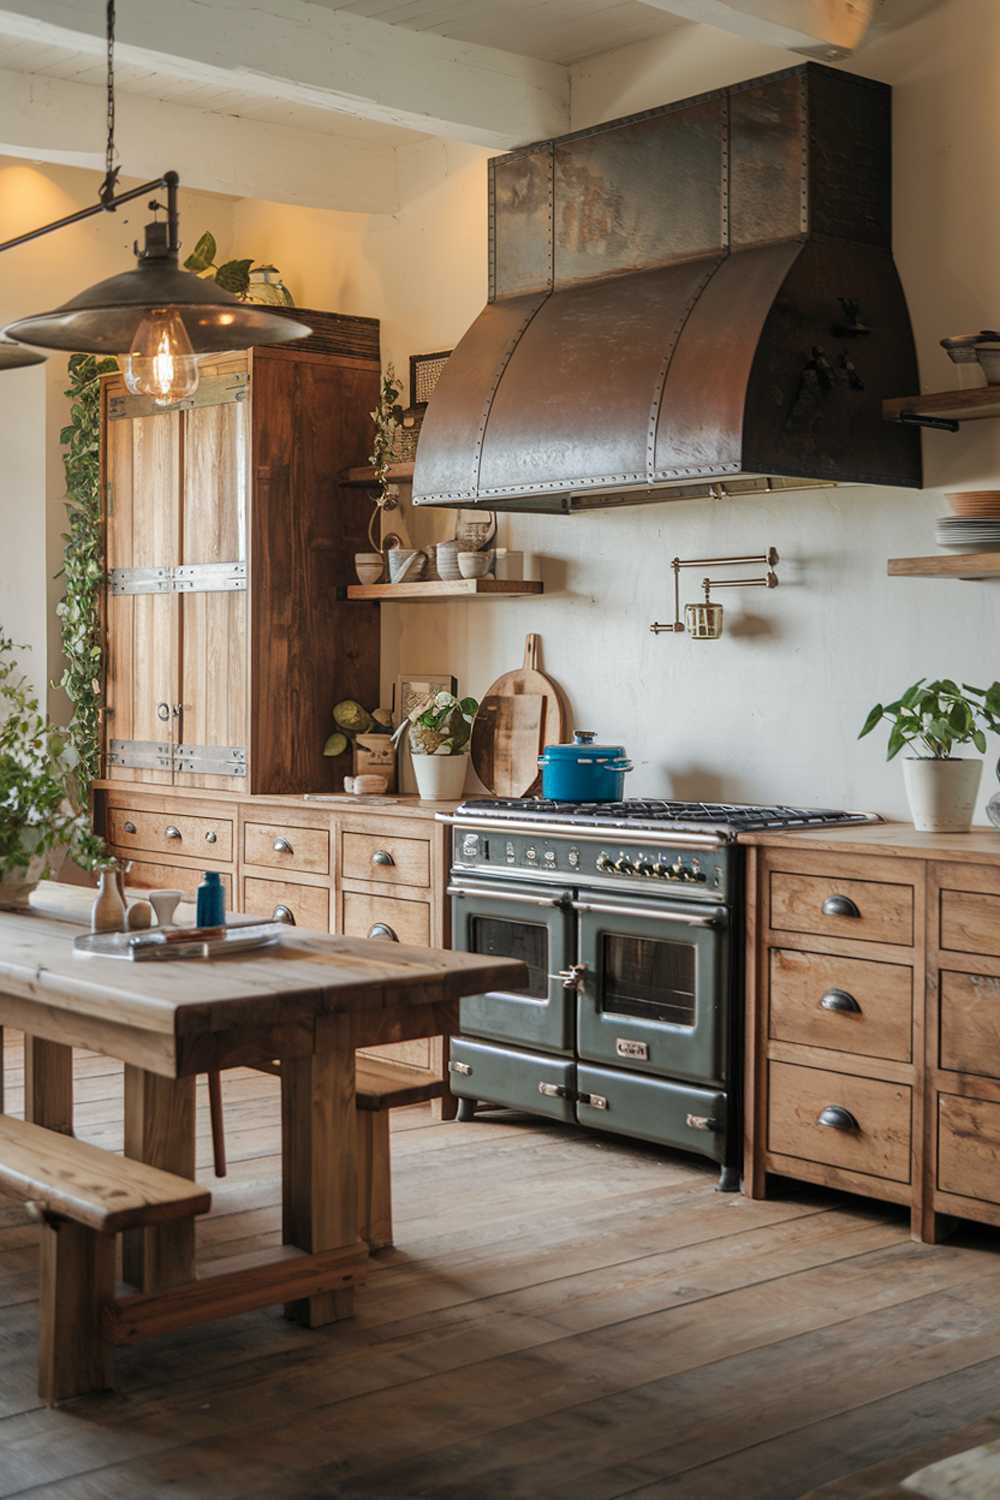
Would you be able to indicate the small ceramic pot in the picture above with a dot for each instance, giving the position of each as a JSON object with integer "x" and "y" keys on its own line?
{"x": 164, "y": 904}
{"x": 368, "y": 566}
{"x": 405, "y": 564}
{"x": 447, "y": 561}
{"x": 440, "y": 778}
{"x": 474, "y": 564}
{"x": 942, "y": 793}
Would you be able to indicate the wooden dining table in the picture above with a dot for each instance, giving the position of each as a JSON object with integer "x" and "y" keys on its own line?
{"x": 310, "y": 1000}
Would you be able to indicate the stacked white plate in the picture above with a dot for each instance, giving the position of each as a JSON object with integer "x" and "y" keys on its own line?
{"x": 962, "y": 534}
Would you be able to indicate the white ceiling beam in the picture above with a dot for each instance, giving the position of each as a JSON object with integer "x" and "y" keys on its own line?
{"x": 819, "y": 28}
{"x": 40, "y": 117}
{"x": 290, "y": 50}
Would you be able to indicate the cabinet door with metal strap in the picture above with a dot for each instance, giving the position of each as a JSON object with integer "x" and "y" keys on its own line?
{"x": 531, "y": 924}
{"x": 518, "y": 1080}
{"x": 654, "y": 1109}
{"x": 654, "y": 988}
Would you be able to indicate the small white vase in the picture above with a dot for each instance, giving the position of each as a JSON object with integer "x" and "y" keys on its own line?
{"x": 440, "y": 778}
{"x": 942, "y": 793}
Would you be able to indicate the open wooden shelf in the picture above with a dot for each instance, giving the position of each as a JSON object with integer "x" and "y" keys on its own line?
{"x": 970, "y": 565}
{"x": 365, "y": 477}
{"x": 949, "y": 406}
{"x": 461, "y": 588}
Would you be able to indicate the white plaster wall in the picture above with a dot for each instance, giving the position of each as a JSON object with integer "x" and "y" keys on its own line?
{"x": 772, "y": 710}
{"x": 23, "y": 604}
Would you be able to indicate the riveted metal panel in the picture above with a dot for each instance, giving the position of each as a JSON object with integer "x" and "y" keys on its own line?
{"x": 521, "y": 222}
{"x": 641, "y": 194}
{"x": 572, "y": 409}
{"x": 768, "y": 144}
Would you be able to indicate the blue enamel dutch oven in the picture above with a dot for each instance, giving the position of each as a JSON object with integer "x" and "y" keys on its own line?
{"x": 583, "y": 771}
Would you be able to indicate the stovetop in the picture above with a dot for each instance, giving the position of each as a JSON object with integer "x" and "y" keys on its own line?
{"x": 636, "y": 813}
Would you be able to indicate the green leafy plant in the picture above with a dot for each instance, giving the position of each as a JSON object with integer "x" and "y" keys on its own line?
{"x": 40, "y": 792}
{"x": 933, "y": 717}
{"x": 79, "y": 610}
{"x": 440, "y": 725}
{"x": 233, "y": 275}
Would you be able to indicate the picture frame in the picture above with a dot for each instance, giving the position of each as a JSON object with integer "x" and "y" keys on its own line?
{"x": 412, "y": 688}
{"x": 425, "y": 371}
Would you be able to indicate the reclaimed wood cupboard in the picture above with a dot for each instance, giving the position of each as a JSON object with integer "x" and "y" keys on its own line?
{"x": 873, "y": 1017}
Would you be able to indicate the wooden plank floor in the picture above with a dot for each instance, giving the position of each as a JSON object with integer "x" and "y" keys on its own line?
{"x": 564, "y": 1315}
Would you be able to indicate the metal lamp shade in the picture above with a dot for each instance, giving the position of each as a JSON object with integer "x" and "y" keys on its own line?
{"x": 104, "y": 318}
{"x": 16, "y": 356}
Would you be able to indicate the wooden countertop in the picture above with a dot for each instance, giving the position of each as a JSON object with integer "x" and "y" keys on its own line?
{"x": 393, "y": 806}
{"x": 886, "y": 839}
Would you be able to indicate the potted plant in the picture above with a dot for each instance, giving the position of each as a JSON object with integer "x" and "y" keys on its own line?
{"x": 439, "y": 730}
{"x": 932, "y": 719}
{"x": 40, "y": 821}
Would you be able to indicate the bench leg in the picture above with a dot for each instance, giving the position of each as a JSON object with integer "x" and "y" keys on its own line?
{"x": 77, "y": 1279}
{"x": 374, "y": 1178}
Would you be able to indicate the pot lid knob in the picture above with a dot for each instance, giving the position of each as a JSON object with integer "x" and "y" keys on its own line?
{"x": 583, "y": 736}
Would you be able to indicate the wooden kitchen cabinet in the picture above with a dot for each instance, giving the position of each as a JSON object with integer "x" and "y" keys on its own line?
{"x": 873, "y": 1017}
{"x": 230, "y": 540}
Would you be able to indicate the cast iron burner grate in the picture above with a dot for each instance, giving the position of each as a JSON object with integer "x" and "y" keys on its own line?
{"x": 736, "y": 817}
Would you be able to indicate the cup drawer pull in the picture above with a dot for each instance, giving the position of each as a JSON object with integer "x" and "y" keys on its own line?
{"x": 284, "y": 914}
{"x": 172, "y": 832}
{"x": 129, "y": 827}
{"x": 382, "y": 857}
{"x": 282, "y": 846}
{"x": 840, "y": 1001}
{"x": 840, "y": 906}
{"x": 383, "y": 930}
{"x": 836, "y": 1117}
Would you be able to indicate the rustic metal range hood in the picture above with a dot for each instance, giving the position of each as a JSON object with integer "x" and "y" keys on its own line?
{"x": 697, "y": 300}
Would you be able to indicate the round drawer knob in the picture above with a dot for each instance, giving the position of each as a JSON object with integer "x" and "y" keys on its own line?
{"x": 382, "y": 857}
{"x": 284, "y": 914}
{"x": 129, "y": 827}
{"x": 383, "y": 930}
{"x": 282, "y": 846}
{"x": 840, "y": 1001}
{"x": 171, "y": 832}
{"x": 835, "y": 1117}
{"x": 211, "y": 837}
{"x": 840, "y": 906}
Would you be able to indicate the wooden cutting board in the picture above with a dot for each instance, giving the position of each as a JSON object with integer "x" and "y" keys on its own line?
{"x": 521, "y": 713}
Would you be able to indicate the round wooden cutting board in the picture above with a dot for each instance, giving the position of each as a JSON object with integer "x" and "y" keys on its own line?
{"x": 521, "y": 713}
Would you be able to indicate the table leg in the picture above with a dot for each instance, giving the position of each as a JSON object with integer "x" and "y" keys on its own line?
{"x": 159, "y": 1130}
{"x": 48, "y": 1084}
{"x": 319, "y": 1163}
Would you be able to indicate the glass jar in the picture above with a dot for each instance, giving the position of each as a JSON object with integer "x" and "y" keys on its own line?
{"x": 267, "y": 288}
{"x": 993, "y": 805}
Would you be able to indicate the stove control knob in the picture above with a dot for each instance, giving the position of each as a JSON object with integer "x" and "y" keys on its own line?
{"x": 645, "y": 868}
{"x": 604, "y": 862}
{"x": 660, "y": 871}
{"x": 624, "y": 866}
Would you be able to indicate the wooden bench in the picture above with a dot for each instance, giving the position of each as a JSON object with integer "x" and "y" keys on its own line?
{"x": 83, "y": 1196}
{"x": 382, "y": 1085}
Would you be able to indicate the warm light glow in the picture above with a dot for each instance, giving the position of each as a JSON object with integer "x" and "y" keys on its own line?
{"x": 161, "y": 362}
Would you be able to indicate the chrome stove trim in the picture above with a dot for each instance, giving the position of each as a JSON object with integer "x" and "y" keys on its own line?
{"x": 481, "y": 890}
{"x": 662, "y": 834}
{"x": 626, "y": 886}
{"x": 658, "y": 913}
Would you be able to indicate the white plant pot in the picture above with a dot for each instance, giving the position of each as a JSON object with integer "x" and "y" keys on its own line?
{"x": 16, "y": 887}
{"x": 942, "y": 793}
{"x": 440, "y": 778}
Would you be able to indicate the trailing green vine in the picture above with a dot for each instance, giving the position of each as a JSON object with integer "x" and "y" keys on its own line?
{"x": 79, "y": 610}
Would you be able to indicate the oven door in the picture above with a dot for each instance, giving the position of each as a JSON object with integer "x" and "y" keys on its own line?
{"x": 653, "y": 987}
{"x": 535, "y": 926}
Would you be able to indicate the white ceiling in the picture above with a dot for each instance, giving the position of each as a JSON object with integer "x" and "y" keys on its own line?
{"x": 52, "y": 61}
{"x": 559, "y": 31}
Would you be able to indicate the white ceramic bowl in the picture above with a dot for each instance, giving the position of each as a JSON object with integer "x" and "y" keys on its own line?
{"x": 474, "y": 564}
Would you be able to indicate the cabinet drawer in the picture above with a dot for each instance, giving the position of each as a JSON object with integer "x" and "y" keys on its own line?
{"x": 970, "y": 922}
{"x": 871, "y": 911}
{"x": 970, "y": 1023}
{"x": 308, "y": 904}
{"x": 969, "y": 1147}
{"x": 408, "y": 921}
{"x": 847, "y": 1004}
{"x": 383, "y": 857}
{"x": 148, "y": 876}
{"x": 171, "y": 833}
{"x": 877, "y": 1143}
{"x": 305, "y": 849}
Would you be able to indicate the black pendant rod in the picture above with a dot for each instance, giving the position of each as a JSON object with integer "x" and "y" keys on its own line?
{"x": 169, "y": 180}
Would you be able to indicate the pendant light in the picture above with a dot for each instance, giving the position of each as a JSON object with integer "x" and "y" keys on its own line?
{"x": 16, "y": 356}
{"x": 158, "y": 316}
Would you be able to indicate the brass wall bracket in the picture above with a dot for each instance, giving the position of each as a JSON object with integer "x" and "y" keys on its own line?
{"x": 704, "y": 622}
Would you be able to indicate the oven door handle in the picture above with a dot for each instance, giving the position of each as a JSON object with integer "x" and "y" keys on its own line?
{"x": 686, "y": 918}
{"x": 492, "y": 895}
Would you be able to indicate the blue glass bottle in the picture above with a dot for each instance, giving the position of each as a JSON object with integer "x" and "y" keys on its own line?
{"x": 211, "y": 908}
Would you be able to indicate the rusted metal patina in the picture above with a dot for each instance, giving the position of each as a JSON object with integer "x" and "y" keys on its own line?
{"x": 695, "y": 294}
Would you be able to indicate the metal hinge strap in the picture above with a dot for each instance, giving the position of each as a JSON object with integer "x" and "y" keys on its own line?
{"x": 190, "y": 578}
{"x": 149, "y": 755}
{"x": 212, "y": 391}
{"x": 161, "y": 755}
